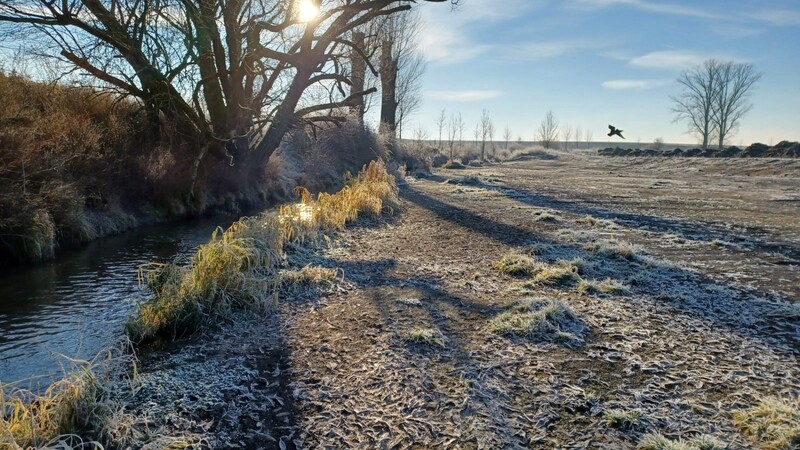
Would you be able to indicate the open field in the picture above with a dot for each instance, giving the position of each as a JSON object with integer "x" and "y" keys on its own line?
{"x": 557, "y": 302}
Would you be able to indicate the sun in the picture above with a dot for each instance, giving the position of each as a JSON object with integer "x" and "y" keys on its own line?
{"x": 307, "y": 10}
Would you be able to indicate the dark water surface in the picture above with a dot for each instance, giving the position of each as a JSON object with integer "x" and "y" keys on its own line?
{"x": 76, "y": 305}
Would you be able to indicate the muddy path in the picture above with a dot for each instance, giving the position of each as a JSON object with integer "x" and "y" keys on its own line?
{"x": 344, "y": 367}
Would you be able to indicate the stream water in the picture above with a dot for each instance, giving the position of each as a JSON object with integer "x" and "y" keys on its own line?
{"x": 76, "y": 306}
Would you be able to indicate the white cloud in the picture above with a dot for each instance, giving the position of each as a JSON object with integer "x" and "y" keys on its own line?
{"x": 669, "y": 59}
{"x": 533, "y": 51}
{"x": 463, "y": 96}
{"x": 637, "y": 85}
{"x": 779, "y": 17}
{"x": 445, "y": 37}
{"x": 658, "y": 8}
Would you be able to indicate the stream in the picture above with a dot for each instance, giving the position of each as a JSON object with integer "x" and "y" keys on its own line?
{"x": 75, "y": 306}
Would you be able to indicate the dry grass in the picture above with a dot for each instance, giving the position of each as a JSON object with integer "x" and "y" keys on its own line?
{"x": 656, "y": 441}
{"x": 625, "y": 420}
{"x": 538, "y": 318}
{"x": 239, "y": 267}
{"x": 594, "y": 222}
{"x": 607, "y": 286}
{"x": 774, "y": 424}
{"x": 615, "y": 249}
{"x": 562, "y": 273}
{"x": 426, "y": 336}
{"x": 516, "y": 264}
{"x": 76, "y": 403}
{"x": 307, "y": 276}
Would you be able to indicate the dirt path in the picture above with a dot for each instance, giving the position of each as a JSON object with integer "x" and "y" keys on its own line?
{"x": 352, "y": 367}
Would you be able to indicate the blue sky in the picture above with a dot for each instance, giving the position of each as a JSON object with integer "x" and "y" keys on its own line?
{"x": 600, "y": 62}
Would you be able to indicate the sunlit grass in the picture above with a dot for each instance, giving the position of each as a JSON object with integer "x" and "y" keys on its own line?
{"x": 239, "y": 267}
{"x": 774, "y": 424}
{"x": 515, "y": 264}
{"x": 607, "y": 286}
{"x": 624, "y": 420}
{"x": 427, "y": 336}
{"x": 75, "y": 403}
{"x": 538, "y": 318}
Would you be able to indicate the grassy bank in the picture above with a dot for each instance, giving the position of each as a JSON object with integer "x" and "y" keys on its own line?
{"x": 240, "y": 267}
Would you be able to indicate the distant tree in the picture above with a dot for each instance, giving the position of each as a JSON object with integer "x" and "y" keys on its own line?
{"x": 460, "y": 125}
{"x": 715, "y": 98}
{"x": 578, "y": 136}
{"x": 588, "y": 137}
{"x": 477, "y": 134}
{"x": 455, "y": 129}
{"x": 485, "y": 128}
{"x": 507, "y": 136}
{"x": 735, "y": 82}
{"x": 566, "y": 134}
{"x": 441, "y": 121}
{"x": 658, "y": 144}
{"x": 491, "y": 139}
{"x": 548, "y": 130}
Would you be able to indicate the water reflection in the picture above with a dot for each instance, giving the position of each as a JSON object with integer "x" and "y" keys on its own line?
{"x": 76, "y": 306}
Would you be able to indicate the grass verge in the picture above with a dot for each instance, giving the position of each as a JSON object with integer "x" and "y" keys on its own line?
{"x": 774, "y": 424}
{"x": 239, "y": 267}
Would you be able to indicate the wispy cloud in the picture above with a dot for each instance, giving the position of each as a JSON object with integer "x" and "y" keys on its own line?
{"x": 446, "y": 37}
{"x": 538, "y": 50}
{"x": 668, "y": 59}
{"x": 463, "y": 96}
{"x": 779, "y": 17}
{"x": 636, "y": 85}
{"x": 653, "y": 7}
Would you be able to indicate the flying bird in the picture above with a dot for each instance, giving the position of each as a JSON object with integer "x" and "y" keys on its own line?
{"x": 614, "y": 131}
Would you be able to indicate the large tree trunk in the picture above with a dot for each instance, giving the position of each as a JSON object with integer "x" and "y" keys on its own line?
{"x": 358, "y": 76}
{"x": 388, "y": 87}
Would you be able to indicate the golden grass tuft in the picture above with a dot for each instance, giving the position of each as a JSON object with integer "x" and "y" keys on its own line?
{"x": 516, "y": 264}
{"x": 594, "y": 222}
{"x": 75, "y": 403}
{"x": 562, "y": 273}
{"x": 427, "y": 336}
{"x": 239, "y": 267}
{"x": 656, "y": 441}
{"x": 615, "y": 249}
{"x": 774, "y": 424}
{"x": 539, "y": 318}
{"x": 607, "y": 286}
{"x": 307, "y": 275}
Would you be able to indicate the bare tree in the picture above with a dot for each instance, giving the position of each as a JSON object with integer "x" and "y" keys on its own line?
{"x": 440, "y": 123}
{"x": 485, "y": 128}
{"x": 232, "y": 76}
{"x": 735, "y": 83}
{"x": 578, "y": 136}
{"x": 695, "y": 104}
{"x": 588, "y": 137}
{"x": 491, "y": 139}
{"x": 453, "y": 130}
{"x": 460, "y": 125}
{"x": 566, "y": 134}
{"x": 548, "y": 130}
{"x": 507, "y": 136}
{"x": 477, "y": 134}
{"x": 658, "y": 143}
{"x": 401, "y": 68}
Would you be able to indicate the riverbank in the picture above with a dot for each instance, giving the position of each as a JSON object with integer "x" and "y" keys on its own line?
{"x": 600, "y": 336}
{"x": 77, "y": 164}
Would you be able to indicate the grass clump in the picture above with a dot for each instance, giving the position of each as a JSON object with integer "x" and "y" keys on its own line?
{"x": 656, "y": 441}
{"x": 307, "y": 275}
{"x": 607, "y": 286}
{"x": 426, "y": 336}
{"x": 625, "y": 420}
{"x": 774, "y": 424}
{"x": 538, "y": 318}
{"x": 562, "y": 273}
{"x": 516, "y": 264}
{"x": 615, "y": 249}
{"x": 76, "y": 403}
{"x": 239, "y": 267}
{"x": 594, "y": 222}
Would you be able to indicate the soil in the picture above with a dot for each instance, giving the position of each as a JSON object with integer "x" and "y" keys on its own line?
{"x": 708, "y": 323}
{"x": 784, "y": 149}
